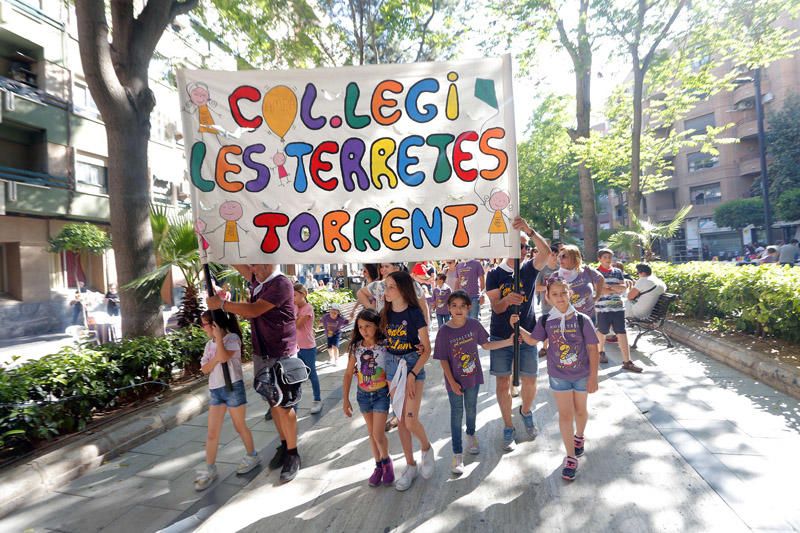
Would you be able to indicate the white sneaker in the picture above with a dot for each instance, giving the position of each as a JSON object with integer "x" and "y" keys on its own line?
{"x": 248, "y": 463}
{"x": 406, "y": 478}
{"x": 316, "y": 407}
{"x": 205, "y": 477}
{"x": 473, "y": 448}
{"x": 426, "y": 469}
{"x": 458, "y": 464}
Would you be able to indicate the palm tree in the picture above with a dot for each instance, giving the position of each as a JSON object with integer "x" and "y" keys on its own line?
{"x": 643, "y": 233}
{"x": 175, "y": 244}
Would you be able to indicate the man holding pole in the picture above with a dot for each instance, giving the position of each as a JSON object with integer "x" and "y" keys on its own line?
{"x": 271, "y": 314}
{"x": 500, "y": 284}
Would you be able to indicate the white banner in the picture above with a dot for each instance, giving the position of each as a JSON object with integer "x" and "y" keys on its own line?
{"x": 354, "y": 164}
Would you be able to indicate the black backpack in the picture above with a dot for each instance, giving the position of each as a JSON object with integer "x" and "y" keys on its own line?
{"x": 581, "y": 322}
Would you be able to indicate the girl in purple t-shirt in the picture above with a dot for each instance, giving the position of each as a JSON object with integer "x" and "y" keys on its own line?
{"x": 457, "y": 350}
{"x": 585, "y": 283}
{"x": 572, "y": 363}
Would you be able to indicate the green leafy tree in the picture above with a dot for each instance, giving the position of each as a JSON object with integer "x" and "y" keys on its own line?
{"x": 80, "y": 237}
{"x": 783, "y": 138}
{"x": 568, "y": 26}
{"x": 642, "y": 28}
{"x": 788, "y": 205}
{"x": 548, "y": 175}
{"x": 739, "y": 213}
{"x": 643, "y": 234}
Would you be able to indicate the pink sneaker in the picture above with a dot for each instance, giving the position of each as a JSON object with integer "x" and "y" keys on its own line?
{"x": 377, "y": 474}
{"x": 388, "y": 472}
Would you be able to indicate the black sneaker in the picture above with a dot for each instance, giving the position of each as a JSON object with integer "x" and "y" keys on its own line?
{"x": 290, "y": 467}
{"x": 570, "y": 468}
{"x": 279, "y": 457}
{"x": 603, "y": 358}
{"x": 579, "y": 444}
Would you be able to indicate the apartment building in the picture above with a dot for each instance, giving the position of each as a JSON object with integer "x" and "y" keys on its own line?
{"x": 53, "y": 155}
{"x": 706, "y": 181}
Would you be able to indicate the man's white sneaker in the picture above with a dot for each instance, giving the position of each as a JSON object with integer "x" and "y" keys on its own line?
{"x": 458, "y": 464}
{"x": 248, "y": 463}
{"x": 316, "y": 407}
{"x": 426, "y": 468}
{"x": 406, "y": 478}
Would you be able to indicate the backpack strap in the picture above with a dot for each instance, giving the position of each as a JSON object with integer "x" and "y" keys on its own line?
{"x": 581, "y": 322}
{"x": 543, "y": 319}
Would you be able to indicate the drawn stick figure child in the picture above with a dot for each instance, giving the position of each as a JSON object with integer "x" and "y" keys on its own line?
{"x": 280, "y": 160}
{"x": 497, "y": 201}
{"x": 231, "y": 212}
{"x": 199, "y": 229}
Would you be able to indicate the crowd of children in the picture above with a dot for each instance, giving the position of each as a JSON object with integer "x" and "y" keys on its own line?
{"x": 390, "y": 346}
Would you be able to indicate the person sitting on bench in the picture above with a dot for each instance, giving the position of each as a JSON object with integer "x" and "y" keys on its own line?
{"x": 643, "y": 296}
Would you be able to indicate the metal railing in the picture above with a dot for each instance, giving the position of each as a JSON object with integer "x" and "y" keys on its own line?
{"x": 35, "y": 179}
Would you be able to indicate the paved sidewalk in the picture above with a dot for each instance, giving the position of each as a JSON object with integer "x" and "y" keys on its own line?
{"x": 689, "y": 445}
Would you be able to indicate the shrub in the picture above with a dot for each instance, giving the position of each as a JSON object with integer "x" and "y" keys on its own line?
{"x": 61, "y": 392}
{"x": 321, "y": 300}
{"x": 764, "y": 299}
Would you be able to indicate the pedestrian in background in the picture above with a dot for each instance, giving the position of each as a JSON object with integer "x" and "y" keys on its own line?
{"x": 306, "y": 342}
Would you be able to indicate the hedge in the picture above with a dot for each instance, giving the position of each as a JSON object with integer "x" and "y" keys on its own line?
{"x": 763, "y": 300}
{"x": 61, "y": 392}
{"x": 322, "y": 299}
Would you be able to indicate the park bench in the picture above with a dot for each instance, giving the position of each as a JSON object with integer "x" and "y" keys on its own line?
{"x": 344, "y": 310}
{"x": 655, "y": 322}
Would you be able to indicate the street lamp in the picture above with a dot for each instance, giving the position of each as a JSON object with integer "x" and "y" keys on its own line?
{"x": 762, "y": 149}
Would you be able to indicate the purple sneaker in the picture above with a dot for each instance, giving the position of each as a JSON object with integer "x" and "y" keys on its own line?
{"x": 377, "y": 474}
{"x": 388, "y": 472}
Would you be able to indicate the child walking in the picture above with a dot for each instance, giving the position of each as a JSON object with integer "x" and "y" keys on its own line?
{"x": 333, "y": 322}
{"x": 224, "y": 346}
{"x": 367, "y": 360}
{"x": 441, "y": 293}
{"x": 306, "y": 343}
{"x": 457, "y": 350}
{"x": 406, "y": 329}
{"x": 572, "y": 363}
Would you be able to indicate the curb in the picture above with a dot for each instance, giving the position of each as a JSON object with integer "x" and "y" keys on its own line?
{"x": 38, "y": 476}
{"x": 776, "y": 374}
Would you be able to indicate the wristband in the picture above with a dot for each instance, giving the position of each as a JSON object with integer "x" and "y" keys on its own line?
{"x": 413, "y": 373}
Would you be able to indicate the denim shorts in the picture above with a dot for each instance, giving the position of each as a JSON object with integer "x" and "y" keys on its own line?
{"x": 566, "y": 385}
{"x": 333, "y": 340}
{"x": 373, "y": 402}
{"x": 411, "y": 359}
{"x": 223, "y": 396}
{"x": 501, "y": 361}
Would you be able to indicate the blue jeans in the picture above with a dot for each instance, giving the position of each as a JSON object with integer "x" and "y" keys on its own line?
{"x": 458, "y": 404}
{"x": 475, "y": 308}
{"x": 441, "y": 319}
{"x": 309, "y": 357}
{"x": 223, "y": 396}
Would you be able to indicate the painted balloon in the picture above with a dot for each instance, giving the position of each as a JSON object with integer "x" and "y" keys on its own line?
{"x": 280, "y": 109}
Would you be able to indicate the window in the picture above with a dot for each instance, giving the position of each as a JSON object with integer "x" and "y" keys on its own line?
{"x": 10, "y": 271}
{"x": 700, "y": 161}
{"x": 162, "y": 190}
{"x": 82, "y": 100}
{"x": 91, "y": 177}
{"x": 700, "y": 124}
{"x": 706, "y": 194}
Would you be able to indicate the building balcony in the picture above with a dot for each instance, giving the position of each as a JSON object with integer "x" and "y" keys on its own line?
{"x": 665, "y": 214}
{"x": 750, "y": 167}
{"x": 747, "y": 130}
{"x": 34, "y": 179}
{"x": 743, "y": 92}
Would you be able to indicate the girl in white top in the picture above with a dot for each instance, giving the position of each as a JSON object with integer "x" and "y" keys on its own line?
{"x": 224, "y": 346}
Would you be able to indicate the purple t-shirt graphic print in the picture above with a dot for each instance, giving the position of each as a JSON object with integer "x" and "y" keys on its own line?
{"x": 459, "y": 346}
{"x": 567, "y": 355}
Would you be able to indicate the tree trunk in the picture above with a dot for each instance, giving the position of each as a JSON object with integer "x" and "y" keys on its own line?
{"x": 129, "y": 199}
{"x": 583, "y": 77}
{"x": 635, "y": 190}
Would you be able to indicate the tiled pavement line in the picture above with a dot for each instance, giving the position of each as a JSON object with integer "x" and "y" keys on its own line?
{"x": 727, "y": 458}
